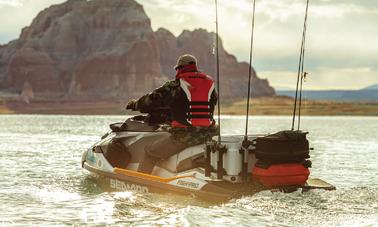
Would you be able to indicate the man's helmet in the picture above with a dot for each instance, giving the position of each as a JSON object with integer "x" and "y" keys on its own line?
{"x": 185, "y": 59}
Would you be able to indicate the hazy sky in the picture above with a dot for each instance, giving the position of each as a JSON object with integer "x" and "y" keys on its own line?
{"x": 342, "y": 47}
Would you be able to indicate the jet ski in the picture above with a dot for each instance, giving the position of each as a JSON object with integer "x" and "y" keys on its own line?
{"x": 216, "y": 170}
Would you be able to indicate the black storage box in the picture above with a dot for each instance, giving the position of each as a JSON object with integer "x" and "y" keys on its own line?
{"x": 283, "y": 147}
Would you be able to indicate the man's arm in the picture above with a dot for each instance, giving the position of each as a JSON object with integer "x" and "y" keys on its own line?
{"x": 159, "y": 98}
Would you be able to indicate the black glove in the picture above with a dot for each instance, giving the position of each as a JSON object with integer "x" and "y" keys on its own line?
{"x": 131, "y": 105}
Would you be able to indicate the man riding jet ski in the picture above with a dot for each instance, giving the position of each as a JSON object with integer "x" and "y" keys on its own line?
{"x": 191, "y": 99}
{"x": 174, "y": 148}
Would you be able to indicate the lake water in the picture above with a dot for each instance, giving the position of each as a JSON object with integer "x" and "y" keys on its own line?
{"x": 42, "y": 182}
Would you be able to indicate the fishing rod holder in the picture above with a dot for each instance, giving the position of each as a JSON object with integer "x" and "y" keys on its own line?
{"x": 247, "y": 147}
{"x": 209, "y": 148}
{"x": 229, "y": 160}
{"x": 214, "y": 151}
{"x": 220, "y": 149}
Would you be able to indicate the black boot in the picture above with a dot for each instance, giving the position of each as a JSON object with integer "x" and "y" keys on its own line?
{"x": 148, "y": 163}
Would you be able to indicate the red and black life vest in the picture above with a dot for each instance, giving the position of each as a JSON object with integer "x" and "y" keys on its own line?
{"x": 193, "y": 107}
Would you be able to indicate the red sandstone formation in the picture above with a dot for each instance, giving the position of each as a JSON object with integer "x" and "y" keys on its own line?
{"x": 106, "y": 49}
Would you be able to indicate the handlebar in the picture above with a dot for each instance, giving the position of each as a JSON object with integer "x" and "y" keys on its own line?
{"x": 156, "y": 116}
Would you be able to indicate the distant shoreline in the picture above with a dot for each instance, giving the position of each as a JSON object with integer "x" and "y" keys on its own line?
{"x": 259, "y": 106}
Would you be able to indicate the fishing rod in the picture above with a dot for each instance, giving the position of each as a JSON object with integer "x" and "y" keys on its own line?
{"x": 303, "y": 73}
{"x": 244, "y": 150}
{"x": 300, "y": 66}
{"x": 250, "y": 71}
{"x": 221, "y": 149}
{"x": 217, "y": 56}
{"x": 303, "y": 77}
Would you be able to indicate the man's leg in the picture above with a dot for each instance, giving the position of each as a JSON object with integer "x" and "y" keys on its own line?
{"x": 159, "y": 150}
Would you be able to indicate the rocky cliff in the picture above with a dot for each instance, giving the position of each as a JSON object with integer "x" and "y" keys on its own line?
{"x": 106, "y": 49}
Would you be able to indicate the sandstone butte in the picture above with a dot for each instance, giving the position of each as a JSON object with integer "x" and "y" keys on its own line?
{"x": 101, "y": 49}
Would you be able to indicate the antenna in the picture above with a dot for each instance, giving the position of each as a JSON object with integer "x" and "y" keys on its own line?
{"x": 218, "y": 87}
{"x": 300, "y": 66}
{"x": 250, "y": 72}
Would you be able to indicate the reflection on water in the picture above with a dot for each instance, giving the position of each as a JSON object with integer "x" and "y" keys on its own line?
{"x": 42, "y": 182}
